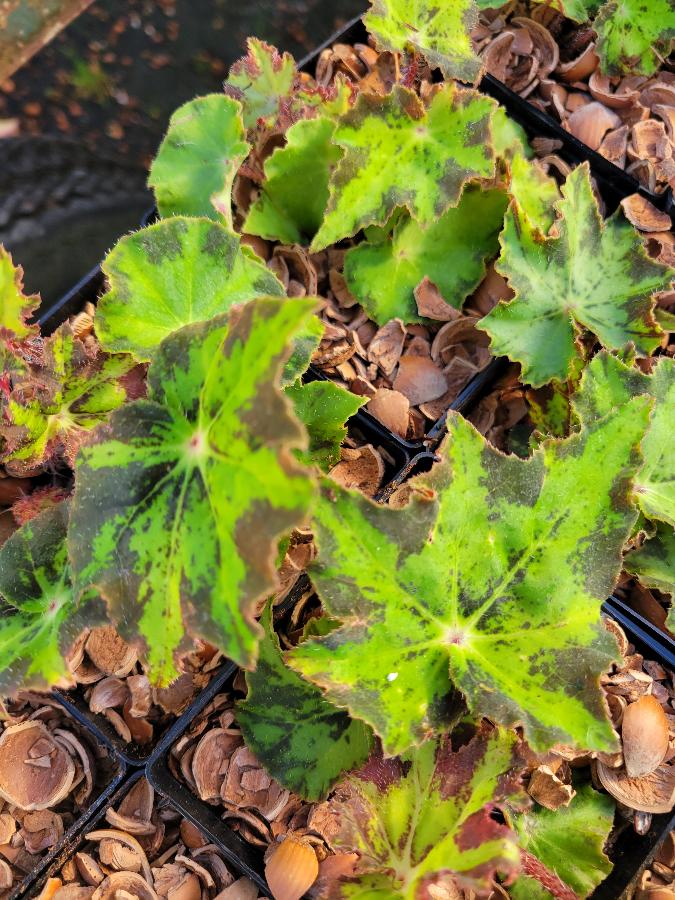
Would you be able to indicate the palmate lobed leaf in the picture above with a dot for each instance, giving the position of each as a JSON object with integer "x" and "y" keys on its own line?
{"x": 261, "y": 80}
{"x": 452, "y": 252}
{"x": 634, "y": 36}
{"x": 491, "y": 581}
{"x": 67, "y": 394}
{"x": 397, "y": 153}
{"x": 439, "y": 31}
{"x": 566, "y": 843}
{"x": 301, "y": 739}
{"x": 199, "y": 157}
{"x": 607, "y": 384}
{"x": 171, "y": 274}
{"x": 294, "y": 195}
{"x": 428, "y": 816}
{"x": 16, "y": 307}
{"x": 591, "y": 275}
{"x": 180, "y": 504}
{"x": 40, "y": 618}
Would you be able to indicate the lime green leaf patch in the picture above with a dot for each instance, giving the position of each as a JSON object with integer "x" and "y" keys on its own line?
{"x": 654, "y": 562}
{"x": 15, "y": 306}
{"x": 429, "y": 814}
{"x": 452, "y": 252}
{"x": 567, "y": 843}
{"x": 634, "y": 36}
{"x": 608, "y": 384}
{"x": 323, "y": 408}
{"x": 591, "y": 275}
{"x": 39, "y": 616}
{"x": 294, "y": 194}
{"x": 536, "y": 192}
{"x": 301, "y": 739}
{"x": 491, "y": 580}
{"x": 172, "y": 274}
{"x": 68, "y": 393}
{"x": 439, "y": 31}
{"x": 180, "y": 504}
{"x": 261, "y": 80}
{"x": 199, "y": 157}
{"x": 396, "y": 153}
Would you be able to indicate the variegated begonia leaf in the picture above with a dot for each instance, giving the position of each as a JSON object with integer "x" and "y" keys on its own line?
{"x": 40, "y": 618}
{"x": 199, "y": 157}
{"x": 441, "y": 32}
{"x": 589, "y": 274}
{"x": 171, "y": 274}
{"x": 305, "y": 342}
{"x": 294, "y": 194}
{"x": 490, "y": 579}
{"x": 451, "y": 252}
{"x": 261, "y": 80}
{"x": 579, "y": 10}
{"x": 536, "y": 192}
{"x": 397, "y": 153}
{"x": 564, "y": 848}
{"x": 67, "y": 393}
{"x": 427, "y": 816}
{"x": 302, "y": 740}
{"x": 16, "y": 307}
{"x": 323, "y": 408}
{"x": 609, "y": 384}
{"x": 180, "y": 504}
{"x": 508, "y": 137}
{"x": 634, "y": 37}
{"x": 654, "y": 562}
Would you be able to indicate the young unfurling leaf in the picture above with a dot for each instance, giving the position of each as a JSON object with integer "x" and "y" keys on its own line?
{"x": 323, "y": 408}
{"x": 397, "y": 153}
{"x": 68, "y": 393}
{"x": 452, "y": 253}
{"x": 301, "y": 739}
{"x": 428, "y": 816}
{"x": 180, "y": 504}
{"x": 440, "y": 32}
{"x": 492, "y": 580}
{"x": 609, "y": 384}
{"x": 565, "y": 844}
{"x": 261, "y": 80}
{"x": 39, "y": 615}
{"x": 171, "y": 274}
{"x": 15, "y": 306}
{"x": 199, "y": 157}
{"x": 294, "y": 194}
{"x": 591, "y": 275}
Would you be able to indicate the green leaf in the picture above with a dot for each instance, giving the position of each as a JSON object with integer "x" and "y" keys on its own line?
{"x": 591, "y": 275}
{"x": 199, "y": 157}
{"x": 567, "y": 843}
{"x": 306, "y": 341}
{"x": 508, "y": 137}
{"x": 170, "y": 275}
{"x": 634, "y": 37}
{"x": 323, "y": 408}
{"x": 440, "y": 32}
{"x": 302, "y": 740}
{"x": 261, "y": 80}
{"x": 492, "y": 577}
{"x": 654, "y": 562}
{"x": 40, "y": 618}
{"x": 609, "y": 384}
{"x": 180, "y": 504}
{"x": 452, "y": 252}
{"x": 536, "y": 192}
{"x": 397, "y": 153}
{"x": 294, "y": 195}
{"x": 68, "y": 393}
{"x": 551, "y": 415}
{"x": 15, "y": 306}
{"x": 429, "y": 815}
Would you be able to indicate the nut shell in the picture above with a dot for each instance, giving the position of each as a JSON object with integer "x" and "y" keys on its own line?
{"x": 644, "y": 731}
{"x": 291, "y": 869}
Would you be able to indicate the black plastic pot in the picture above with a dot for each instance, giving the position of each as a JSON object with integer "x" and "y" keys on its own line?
{"x": 32, "y": 883}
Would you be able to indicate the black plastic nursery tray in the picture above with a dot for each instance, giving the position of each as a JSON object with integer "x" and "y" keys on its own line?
{"x": 614, "y": 183}
{"x": 631, "y": 852}
{"x": 76, "y": 840}
{"x": 32, "y": 883}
